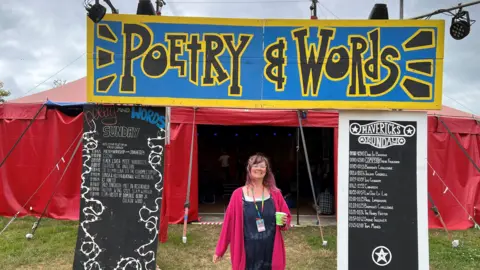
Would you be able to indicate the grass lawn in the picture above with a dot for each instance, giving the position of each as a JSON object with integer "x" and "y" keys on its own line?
{"x": 54, "y": 244}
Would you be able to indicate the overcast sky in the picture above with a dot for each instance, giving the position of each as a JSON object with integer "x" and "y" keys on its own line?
{"x": 45, "y": 40}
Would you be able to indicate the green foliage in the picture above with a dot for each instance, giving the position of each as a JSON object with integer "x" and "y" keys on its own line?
{"x": 3, "y": 93}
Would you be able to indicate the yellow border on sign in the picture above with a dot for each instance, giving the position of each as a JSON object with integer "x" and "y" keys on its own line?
{"x": 437, "y": 99}
{"x": 269, "y": 104}
{"x": 90, "y": 56}
{"x": 132, "y": 18}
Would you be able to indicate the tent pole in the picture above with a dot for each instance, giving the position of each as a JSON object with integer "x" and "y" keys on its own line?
{"x": 310, "y": 173}
{"x": 439, "y": 216}
{"x": 298, "y": 176}
{"x": 168, "y": 114}
{"x": 187, "y": 199}
{"x": 459, "y": 144}
{"x": 21, "y": 135}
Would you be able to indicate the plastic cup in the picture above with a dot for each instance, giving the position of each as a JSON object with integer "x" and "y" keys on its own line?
{"x": 279, "y": 216}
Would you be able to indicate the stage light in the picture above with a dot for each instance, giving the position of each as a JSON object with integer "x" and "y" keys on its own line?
{"x": 145, "y": 7}
{"x": 379, "y": 12}
{"x": 460, "y": 27}
{"x": 96, "y": 12}
{"x": 256, "y": 134}
{"x": 236, "y": 134}
{"x": 289, "y": 134}
{"x": 214, "y": 134}
{"x": 274, "y": 134}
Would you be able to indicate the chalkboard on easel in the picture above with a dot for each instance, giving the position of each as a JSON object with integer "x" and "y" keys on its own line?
{"x": 121, "y": 187}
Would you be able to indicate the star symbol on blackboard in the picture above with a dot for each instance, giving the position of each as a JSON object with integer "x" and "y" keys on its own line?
{"x": 381, "y": 256}
{"x": 354, "y": 128}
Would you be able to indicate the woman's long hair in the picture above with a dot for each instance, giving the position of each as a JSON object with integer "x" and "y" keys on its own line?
{"x": 269, "y": 179}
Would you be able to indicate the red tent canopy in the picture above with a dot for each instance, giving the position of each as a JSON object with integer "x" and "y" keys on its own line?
{"x": 47, "y": 144}
{"x": 73, "y": 92}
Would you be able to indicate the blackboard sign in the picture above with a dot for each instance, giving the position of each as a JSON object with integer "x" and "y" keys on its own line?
{"x": 121, "y": 188}
{"x": 382, "y": 201}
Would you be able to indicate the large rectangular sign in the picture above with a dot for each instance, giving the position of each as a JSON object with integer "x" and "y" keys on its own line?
{"x": 121, "y": 188}
{"x": 282, "y": 64}
{"x": 383, "y": 219}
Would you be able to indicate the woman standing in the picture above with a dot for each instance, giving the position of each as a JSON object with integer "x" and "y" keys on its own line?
{"x": 250, "y": 226}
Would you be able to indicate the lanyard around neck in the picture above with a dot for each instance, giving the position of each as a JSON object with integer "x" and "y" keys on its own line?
{"x": 255, "y": 203}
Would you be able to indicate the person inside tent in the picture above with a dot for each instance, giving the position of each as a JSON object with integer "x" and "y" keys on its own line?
{"x": 225, "y": 165}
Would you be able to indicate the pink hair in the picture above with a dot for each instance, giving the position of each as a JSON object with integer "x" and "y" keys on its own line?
{"x": 269, "y": 179}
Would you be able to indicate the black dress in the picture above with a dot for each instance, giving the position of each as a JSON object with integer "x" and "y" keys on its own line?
{"x": 259, "y": 245}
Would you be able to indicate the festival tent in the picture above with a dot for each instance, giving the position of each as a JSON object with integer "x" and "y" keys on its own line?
{"x": 36, "y": 164}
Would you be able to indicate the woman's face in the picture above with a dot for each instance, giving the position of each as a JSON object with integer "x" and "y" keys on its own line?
{"x": 259, "y": 170}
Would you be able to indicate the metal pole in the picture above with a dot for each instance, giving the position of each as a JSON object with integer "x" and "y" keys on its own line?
{"x": 401, "y": 9}
{"x": 439, "y": 216}
{"x": 307, "y": 160}
{"x": 446, "y": 10}
{"x": 313, "y": 10}
{"x": 298, "y": 176}
{"x": 187, "y": 200}
{"x": 168, "y": 113}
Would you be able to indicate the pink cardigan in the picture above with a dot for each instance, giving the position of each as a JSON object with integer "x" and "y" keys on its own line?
{"x": 232, "y": 232}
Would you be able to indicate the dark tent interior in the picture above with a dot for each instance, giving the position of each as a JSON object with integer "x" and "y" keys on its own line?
{"x": 279, "y": 144}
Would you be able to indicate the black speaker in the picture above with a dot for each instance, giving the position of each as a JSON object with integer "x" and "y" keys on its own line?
{"x": 379, "y": 12}
{"x": 145, "y": 7}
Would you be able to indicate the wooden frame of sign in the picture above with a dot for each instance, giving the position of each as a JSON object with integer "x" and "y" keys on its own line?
{"x": 382, "y": 190}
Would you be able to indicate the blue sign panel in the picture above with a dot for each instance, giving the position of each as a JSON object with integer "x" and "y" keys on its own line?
{"x": 283, "y": 64}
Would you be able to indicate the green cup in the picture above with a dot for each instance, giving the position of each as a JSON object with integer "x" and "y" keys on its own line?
{"x": 279, "y": 216}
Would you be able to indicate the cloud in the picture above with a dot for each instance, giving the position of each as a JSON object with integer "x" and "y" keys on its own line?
{"x": 41, "y": 38}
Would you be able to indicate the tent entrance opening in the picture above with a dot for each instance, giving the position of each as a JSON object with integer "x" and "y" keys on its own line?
{"x": 223, "y": 153}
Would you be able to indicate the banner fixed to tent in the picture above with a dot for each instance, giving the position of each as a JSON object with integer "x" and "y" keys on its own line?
{"x": 282, "y": 64}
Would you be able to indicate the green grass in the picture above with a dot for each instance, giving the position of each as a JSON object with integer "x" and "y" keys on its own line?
{"x": 54, "y": 244}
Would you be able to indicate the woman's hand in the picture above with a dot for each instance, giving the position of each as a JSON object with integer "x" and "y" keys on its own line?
{"x": 284, "y": 220}
{"x": 216, "y": 258}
